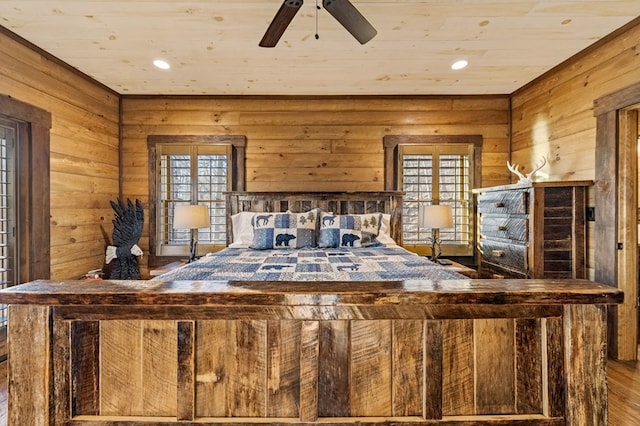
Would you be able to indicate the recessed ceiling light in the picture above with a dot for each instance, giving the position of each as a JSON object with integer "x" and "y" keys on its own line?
{"x": 458, "y": 65}
{"x": 162, "y": 64}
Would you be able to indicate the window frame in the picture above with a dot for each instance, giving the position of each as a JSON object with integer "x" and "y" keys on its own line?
{"x": 396, "y": 145}
{"x": 234, "y": 146}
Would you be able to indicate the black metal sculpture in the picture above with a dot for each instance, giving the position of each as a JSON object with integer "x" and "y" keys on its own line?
{"x": 127, "y": 229}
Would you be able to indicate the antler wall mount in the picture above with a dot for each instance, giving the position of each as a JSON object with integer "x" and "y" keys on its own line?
{"x": 342, "y": 10}
{"x": 526, "y": 179}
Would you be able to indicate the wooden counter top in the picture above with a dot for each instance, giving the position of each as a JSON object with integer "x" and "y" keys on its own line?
{"x": 296, "y": 293}
{"x": 490, "y": 352}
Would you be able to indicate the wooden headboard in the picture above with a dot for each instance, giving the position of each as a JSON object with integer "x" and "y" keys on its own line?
{"x": 337, "y": 202}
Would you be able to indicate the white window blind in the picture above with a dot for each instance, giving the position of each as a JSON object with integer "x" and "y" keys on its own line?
{"x": 191, "y": 174}
{"x": 8, "y": 273}
{"x": 438, "y": 174}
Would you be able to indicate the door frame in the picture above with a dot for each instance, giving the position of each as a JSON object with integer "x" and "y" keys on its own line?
{"x": 616, "y": 229}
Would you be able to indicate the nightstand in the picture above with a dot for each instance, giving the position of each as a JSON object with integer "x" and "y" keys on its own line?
{"x": 462, "y": 269}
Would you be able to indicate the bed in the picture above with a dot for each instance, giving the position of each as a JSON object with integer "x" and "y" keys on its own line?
{"x": 216, "y": 350}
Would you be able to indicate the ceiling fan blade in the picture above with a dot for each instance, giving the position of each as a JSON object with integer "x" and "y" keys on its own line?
{"x": 352, "y": 20}
{"x": 280, "y": 22}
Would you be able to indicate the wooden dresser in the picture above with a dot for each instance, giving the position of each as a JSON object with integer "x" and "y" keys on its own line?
{"x": 532, "y": 231}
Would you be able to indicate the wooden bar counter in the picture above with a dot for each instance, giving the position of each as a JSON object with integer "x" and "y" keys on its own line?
{"x": 459, "y": 352}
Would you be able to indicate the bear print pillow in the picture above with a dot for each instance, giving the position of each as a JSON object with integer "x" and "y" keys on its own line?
{"x": 284, "y": 230}
{"x": 352, "y": 230}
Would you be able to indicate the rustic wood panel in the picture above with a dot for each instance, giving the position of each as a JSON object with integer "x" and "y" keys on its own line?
{"x": 121, "y": 372}
{"x": 528, "y": 352}
{"x": 61, "y": 365}
{"x": 554, "y": 380}
{"x": 30, "y": 343}
{"x": 211, "y": 374}
{"x": 586, "y": 374}
{"x": 458, "y": 369}
{"x": 83, "y": 147}
{"x": 159, "y": 347}
{"x": 408, "y": 365}
{"x": 509, "y": 366}
{"x": 309, "y": 371}
{"x": 247, "y": 369}
{"x": 334, "y": 356}
{"x": 185, "y": 383}
{"x": 433, "y": 370}
{"x": 283, "y": 368}
{"x": 85, "y": 347}
{"x": 371, "y": 379}
{"x": 495, "y": 367}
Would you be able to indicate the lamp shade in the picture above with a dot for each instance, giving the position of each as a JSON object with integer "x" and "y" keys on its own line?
{"x": 436, "y": 217}
{"x": 188, "y": 216}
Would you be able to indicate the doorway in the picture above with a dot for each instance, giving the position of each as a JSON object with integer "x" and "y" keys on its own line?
{"x": 616, "y": 229}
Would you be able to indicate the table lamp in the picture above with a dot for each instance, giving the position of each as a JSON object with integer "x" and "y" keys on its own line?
{"x": 436, "y": 217}
{"x": 191, "y": 216}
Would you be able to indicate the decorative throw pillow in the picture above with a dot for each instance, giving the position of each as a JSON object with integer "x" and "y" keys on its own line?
{"x": 351, "y": 230}
{"x": 285, "y": 230}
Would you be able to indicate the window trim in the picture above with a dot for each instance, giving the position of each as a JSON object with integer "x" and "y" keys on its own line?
{"x": 392, "y": 152}
{"x": 236, "y": 144}
{"x": 34, "y": 195}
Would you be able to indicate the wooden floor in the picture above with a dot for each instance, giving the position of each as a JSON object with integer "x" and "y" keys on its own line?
{"x": 623, "y": 380}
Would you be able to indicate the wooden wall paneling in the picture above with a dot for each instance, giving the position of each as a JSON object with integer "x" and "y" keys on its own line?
{"x": 408, "y": 364}
{"x": 283, "y": 368}
{"x": 334, "y": 360}
{"x": 28, "y": 372}
{"x": 458, "y": 368}
{"x": 495, "y": 368}
{"x": 371, "y": 368}
{"x": 85, "y": 352}
{"x": 287, "y": 152}
{"x": 83, "y": 148}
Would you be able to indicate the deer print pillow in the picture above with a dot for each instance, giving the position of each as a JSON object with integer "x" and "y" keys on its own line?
{"x": 352, "y": 230}
{"x": 284, "y": 230}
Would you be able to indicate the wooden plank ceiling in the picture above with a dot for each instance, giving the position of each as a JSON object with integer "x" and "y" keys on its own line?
{"x": 212, "y": 45}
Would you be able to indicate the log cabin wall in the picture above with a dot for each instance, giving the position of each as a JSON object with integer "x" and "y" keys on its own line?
{"x": 84, "y": 151}
{"x": 553, "y": 116}
{"x": 311, "y": 144}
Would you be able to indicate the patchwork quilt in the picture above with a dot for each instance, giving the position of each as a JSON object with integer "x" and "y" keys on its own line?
{"x": 313, "y": 264}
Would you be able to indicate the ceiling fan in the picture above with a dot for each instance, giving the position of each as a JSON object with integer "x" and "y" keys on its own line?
{"x": 342, "y": 10}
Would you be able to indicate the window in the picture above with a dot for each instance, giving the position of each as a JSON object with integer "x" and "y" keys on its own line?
{"x": 192, "y": 170}
{"x": 24, "y": 197}
{"x": 435, "y": 173}
{"x": 8, "y": 248}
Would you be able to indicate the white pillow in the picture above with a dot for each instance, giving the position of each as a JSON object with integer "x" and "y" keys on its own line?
{"x": 242, "y": 229}
{"x": 384, "y": 235}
